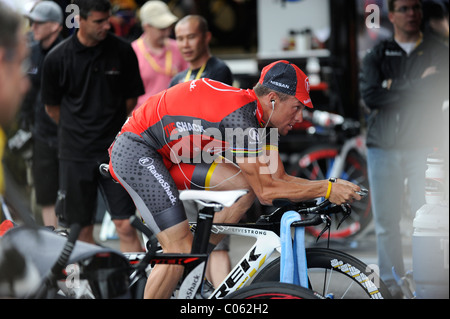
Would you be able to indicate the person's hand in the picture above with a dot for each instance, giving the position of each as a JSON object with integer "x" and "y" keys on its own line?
{"x": 344, "y": 192}
{"x": 429, "y": 71}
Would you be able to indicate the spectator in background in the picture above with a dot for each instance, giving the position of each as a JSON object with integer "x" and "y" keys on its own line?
{"x": 90, "y": 83}
{"x": 124, "y": 20}
{"x": 404, "y": 81}
{"x": 158, "y": 55}
{"x": 193, "y": 37}
{"x": 13, "y": 81}
{"x": 46, "y": 25}
{"x": 435, "y": 20}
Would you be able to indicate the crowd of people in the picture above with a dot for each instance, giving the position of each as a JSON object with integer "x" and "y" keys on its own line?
{"x": 78, "y": 90}
{"x": 80, "y": 95}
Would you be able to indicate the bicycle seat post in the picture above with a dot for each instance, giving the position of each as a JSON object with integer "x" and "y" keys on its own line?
{"x": 203, "y": 230}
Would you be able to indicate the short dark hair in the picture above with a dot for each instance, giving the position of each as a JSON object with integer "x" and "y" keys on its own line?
{"x": 86, "y": 6}
{"x": 10, "y": 24}
{"x": 391, "y": 5}
{"x": 262, "y": 90}
{"x": 202, "y": 23}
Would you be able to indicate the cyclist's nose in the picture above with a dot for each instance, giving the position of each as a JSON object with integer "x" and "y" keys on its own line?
{"x": 299, "y": 116}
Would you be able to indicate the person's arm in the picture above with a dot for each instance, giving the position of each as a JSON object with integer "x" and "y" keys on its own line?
{"x": 375, "y": 87}
{"x": 270, "y": 182}
{"x": 51, "y": 87}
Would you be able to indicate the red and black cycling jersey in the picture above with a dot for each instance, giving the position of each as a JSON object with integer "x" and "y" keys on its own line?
{"x": 201, "y": 117}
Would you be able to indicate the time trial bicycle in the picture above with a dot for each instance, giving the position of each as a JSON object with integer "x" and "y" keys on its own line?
{"x": 106, "y": 273}
{"x": 332, "y": 273}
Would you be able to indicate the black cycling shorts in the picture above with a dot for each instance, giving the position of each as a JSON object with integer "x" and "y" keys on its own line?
{"x": 45, "y": 173}
{"x": 152, "y": 182}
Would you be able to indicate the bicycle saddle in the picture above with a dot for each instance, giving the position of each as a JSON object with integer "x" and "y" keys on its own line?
{"x": 206, "y": 198}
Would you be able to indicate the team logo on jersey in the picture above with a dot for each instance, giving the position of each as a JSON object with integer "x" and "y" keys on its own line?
{"x": 253, "y": 135}
{"x": 393, "y": 53}
{"x": 192, "y": 85}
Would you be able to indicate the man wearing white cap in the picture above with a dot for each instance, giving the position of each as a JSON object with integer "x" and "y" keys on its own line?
{"x": 46, "y": 11}
{"x": 158, "y": 55}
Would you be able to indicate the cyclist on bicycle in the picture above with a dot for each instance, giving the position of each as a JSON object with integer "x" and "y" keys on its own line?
{"x": 203, "y": 134}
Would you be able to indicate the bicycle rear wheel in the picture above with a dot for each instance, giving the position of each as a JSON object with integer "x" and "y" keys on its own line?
{"x": 335, "y": 275}
{"x": 270, "y": 290}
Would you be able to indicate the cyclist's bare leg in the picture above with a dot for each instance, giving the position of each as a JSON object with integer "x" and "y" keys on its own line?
{"x": 219, "y": 266}
{"x": 49, "y": 216}
{"x": 164, "y": 278}
{"x": 87, "y": 234}
{"x": 226, "y": 176}
{"x": 178, "y": 239}
{"x": 129, "y": 240}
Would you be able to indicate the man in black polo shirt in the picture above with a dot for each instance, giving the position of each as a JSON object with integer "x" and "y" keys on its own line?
{"x": 90, "y": 83}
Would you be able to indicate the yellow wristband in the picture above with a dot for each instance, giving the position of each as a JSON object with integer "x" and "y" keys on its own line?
{"x": 328, "y": 190}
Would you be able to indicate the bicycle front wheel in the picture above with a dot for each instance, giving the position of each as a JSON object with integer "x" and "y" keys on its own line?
{"x": 271, "y": 290}
{"x": 335, "y": 275}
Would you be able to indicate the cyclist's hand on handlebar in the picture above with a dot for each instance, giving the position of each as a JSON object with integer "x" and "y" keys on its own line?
{"x": 343, "y": 192}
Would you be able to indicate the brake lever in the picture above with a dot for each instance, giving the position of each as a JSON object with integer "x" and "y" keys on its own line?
{"x": 363, "y": 192}
{"x": 346, "y": 211}
{"x": 327, "y": 220}
{"x": 346, "y": 208}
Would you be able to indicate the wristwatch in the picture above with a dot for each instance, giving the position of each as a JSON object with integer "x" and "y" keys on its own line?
{"x": 332, "y": 179}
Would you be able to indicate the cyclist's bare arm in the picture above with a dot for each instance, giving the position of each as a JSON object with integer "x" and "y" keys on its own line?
{"x": 53, "y": 112}
{"x": 277, "y": 184}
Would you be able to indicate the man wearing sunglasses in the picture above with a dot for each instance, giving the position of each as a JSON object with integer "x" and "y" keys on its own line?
{"x": 404, "y": 82}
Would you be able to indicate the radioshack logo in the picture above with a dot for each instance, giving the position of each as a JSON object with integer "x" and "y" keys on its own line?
{"x": 146, "y": 161}
{"x": 253, "y": 136}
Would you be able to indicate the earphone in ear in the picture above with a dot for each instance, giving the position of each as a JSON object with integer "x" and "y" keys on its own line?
{"x": 273, "y": 104}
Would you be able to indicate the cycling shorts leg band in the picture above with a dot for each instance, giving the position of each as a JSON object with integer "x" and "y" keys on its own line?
{"x": 192, "y": 176}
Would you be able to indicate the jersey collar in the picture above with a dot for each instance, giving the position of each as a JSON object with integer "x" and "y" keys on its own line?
{"x": 259, "y": 110}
